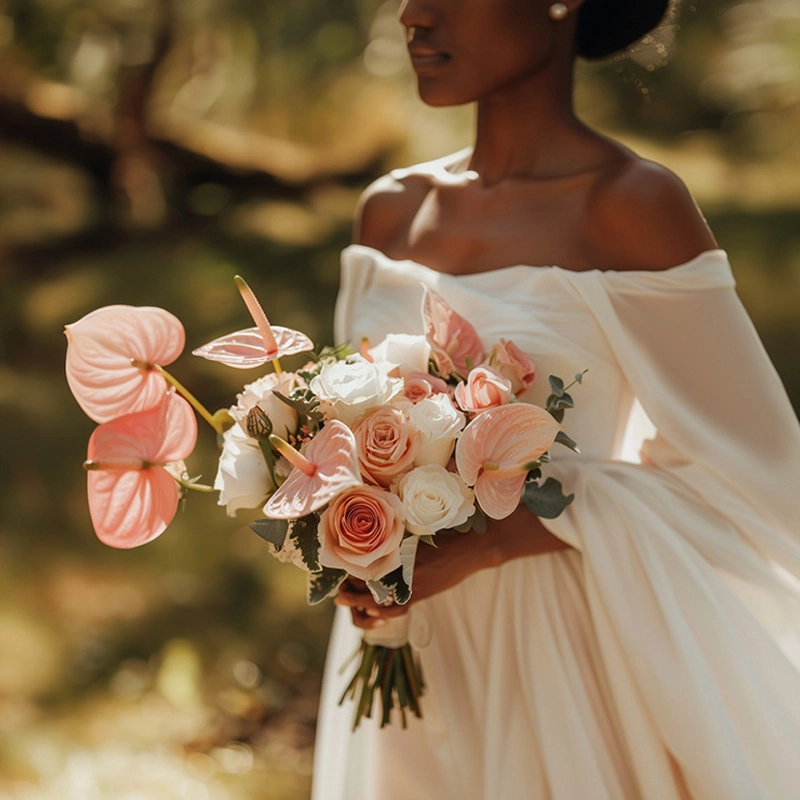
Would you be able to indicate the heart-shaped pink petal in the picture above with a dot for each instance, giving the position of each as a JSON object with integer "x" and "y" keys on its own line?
{"x": 455, "y": 342}
{"x": 334, "y": 455}
{"x": 494, "y": 452}
{"x": 131, "y": 508}
{"x": 132, "y": 497}
{"x": 245, "y": 349}
{"x": 162, "y": 434}
{"x": 100, "y": 348}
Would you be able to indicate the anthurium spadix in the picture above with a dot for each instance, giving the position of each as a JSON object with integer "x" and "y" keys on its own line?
{"x": 113, "y": 356}
{"x": 254, "y": 347}
{"x": 133, "y": 496}
{"x": 328, "y": 465}
{"x": 498, "y": 448}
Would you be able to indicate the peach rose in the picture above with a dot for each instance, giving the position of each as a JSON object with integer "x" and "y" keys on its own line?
{"x": 484, "y": 388}
{"x": 421, "y": 385}
{"x": 387, "y": 445}
{"x": 360, "y": 532}
{"x": 513, "y": 364}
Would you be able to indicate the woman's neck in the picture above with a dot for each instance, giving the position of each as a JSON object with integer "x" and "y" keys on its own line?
{"x": 529, "y": 131}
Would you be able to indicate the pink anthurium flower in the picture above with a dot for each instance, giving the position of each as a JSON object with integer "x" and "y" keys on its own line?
{"x": 254, "y": 347}
{"x": 328, "y": 466}
{"x": 112, "y": 358}
{"x": 132, "y": 495}
{"x": 498, "y": 448}
{"x": 455, "y": 343}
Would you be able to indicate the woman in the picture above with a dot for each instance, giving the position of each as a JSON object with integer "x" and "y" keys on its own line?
{"x": 644, "y": 644}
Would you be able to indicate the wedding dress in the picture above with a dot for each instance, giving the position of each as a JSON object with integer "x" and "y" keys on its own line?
{"x": 660, "y": 657}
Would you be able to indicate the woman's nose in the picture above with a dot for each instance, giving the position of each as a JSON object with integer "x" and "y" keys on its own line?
{"x": 417, "y": 14}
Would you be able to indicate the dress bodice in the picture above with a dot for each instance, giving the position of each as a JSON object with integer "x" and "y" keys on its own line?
{"x": 534, "y": 307}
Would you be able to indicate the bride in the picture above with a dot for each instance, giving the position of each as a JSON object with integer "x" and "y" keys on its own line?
{"x": 645, "y": 643}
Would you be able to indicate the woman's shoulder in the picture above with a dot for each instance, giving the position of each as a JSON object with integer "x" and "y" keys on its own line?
{"x": 640, "y": 215}
{"x": 387, "y": 206}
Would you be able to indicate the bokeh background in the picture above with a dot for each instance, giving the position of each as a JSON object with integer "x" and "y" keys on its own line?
{"x": 149, "y": 151}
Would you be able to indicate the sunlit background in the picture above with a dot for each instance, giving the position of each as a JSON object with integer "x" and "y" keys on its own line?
{"x": 149, "y": 151}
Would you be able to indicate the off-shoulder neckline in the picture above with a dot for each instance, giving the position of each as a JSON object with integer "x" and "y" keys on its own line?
{"x": 717, "y": 255}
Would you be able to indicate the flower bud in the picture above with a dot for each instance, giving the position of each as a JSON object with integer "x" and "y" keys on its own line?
{"x": 259, "y": 425}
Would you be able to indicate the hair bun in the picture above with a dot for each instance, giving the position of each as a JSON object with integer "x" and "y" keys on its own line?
{"x": 608, "y": 26}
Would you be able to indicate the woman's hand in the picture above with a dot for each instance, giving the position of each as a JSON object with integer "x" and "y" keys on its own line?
{"x": 455, "y": 557}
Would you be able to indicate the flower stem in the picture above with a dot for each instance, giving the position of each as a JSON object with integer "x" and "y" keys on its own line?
{"x": 192, "y": 486}
{"x": 196, "y": 404}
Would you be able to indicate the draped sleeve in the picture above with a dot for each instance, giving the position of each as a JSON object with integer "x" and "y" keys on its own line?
{"x": 692, "y": 558}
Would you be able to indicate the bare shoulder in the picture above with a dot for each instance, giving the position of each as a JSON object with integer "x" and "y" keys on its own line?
{"x": 383, "y": 209}
{"x": 388, "y": 206}
{"x": 642, "y": 216}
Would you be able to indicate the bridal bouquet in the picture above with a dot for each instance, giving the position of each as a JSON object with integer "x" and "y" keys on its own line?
{"x": 357, "y": 458}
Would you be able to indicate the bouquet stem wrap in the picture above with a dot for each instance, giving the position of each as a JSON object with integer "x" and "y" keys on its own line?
{"x": 388, "y": 667}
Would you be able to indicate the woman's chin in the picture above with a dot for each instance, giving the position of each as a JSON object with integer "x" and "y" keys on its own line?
{"x": 440, "y": 96}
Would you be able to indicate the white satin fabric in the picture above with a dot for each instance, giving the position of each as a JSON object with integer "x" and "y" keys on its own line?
{"x": 659, "y": 658}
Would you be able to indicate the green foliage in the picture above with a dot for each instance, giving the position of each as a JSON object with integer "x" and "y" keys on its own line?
{"x": 272, "y": 530}
{"x": 396, "y": 586}
{"x": 546, "y": 500}
{"x": 324, "y": 583}
{"x": 303, "y": 533}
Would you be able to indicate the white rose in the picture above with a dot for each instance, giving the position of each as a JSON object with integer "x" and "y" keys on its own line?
{"x": 260, "y": 393}
{"x": 401, "y": 354}
{"x": 243, "y": 480}
{"x": 440, "y": 423}
{"x": 348, "y": 389}
{"x": 434, "y": 499}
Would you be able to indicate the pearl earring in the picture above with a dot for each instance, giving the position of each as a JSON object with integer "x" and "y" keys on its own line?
{"x": 558, "y": 11}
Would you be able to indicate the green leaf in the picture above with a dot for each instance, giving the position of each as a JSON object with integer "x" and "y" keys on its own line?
{"x": 579, "y": 376}
{"x": 534, "y": 474}
{"x": 307, "y": 409}
{"x": 273, "y": 530}
{"x": 562, "y": 438}
{"x": 397, "y": 586}
{"x": 323, "y": 584}
{"x": 546, "y": 500}
{"x": 428, "y": 539}
{"x": 303, "y": 533}
{"x": 556, "y": 385}
{"x": 564, "y": 401}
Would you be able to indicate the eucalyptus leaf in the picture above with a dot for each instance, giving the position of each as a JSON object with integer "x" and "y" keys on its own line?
{"x": 556, "y": 385}
{"x": 303, "y": 532}
{"x": 273, "y": 530}
{"x": 323, "y": 584}
{"x": 546, "y": 500}
{"x": 564, "y": 401}
{"x": 428, "y": 539}
{"x": 562, "y": 438}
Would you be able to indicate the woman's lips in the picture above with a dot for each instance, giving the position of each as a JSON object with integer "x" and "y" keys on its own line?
{"x": 425, "y": 59}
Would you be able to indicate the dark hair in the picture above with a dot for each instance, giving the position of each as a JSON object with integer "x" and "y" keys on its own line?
{"x": 607, "y": 26}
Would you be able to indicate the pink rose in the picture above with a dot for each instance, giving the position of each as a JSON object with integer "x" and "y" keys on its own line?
{"x": 421, "y": 385}
{"x": 387, "y": 445}
{"x": 485, "y": 388}
{"x": 513, "y": 364}
{"x": 361, "y": 531}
